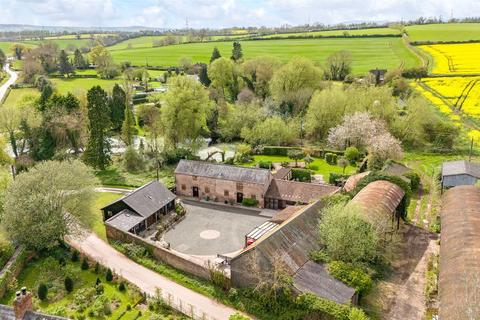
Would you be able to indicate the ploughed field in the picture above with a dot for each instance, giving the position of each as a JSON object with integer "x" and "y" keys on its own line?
{"x": 367, "y": 53}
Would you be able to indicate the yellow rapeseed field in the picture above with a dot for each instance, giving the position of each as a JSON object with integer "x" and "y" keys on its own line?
{"x": 461, "y": 58}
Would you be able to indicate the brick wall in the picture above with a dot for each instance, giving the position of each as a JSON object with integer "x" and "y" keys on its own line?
{"x": 163, "y": 255}
{"x": 215, "y": 189}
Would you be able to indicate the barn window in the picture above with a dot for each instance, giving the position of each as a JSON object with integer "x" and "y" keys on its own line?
{"x": 225, "y": 193}
{"x": 184, "y": 187}
{"x": 194, "y": 178}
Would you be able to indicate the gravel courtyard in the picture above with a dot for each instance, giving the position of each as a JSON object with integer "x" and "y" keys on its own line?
{"x": 210, "y": 229}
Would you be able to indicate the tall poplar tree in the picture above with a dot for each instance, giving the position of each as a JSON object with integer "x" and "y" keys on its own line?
{"x": 117, "y": 107}
{"x": 215, "y": 55}
{"x": 128, "y": 126}
{"x": 237, "y": 53}
{"x": 97, "y": 153}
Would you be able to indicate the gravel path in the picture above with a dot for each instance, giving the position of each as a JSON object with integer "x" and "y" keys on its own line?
{"x": 11, "y": 80}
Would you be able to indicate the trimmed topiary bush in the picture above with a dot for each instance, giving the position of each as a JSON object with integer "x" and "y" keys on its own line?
{"x": 84, "y": 264}
{"x": 68, "y": 284}
{"x": 265, "y": 164}
{"x": 352, "y": 154}
{"x": 109, "y": 275}
{"x": 42, "y": 291}
{"x": 122, "y": 287}
{"x": 331, "y": 158}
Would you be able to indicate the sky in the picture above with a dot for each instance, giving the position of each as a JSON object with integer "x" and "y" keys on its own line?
{"x": 226, "y": 13}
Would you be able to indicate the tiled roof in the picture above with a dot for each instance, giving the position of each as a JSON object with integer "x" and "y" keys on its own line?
{"x": 285, "y": 214}
{"x": 223, "y": 171}
{"x": 7, "y": 313}
{"x": 281, "y": 173}
{"x": 302, "y": 192}
{"x": 459, "y": 253}
{"x": 314, "y": 278}
{"x": 125, "y": 220}
{"x": 452, "y": 168}
{"x": 352, "y": 181}
{"x": 148, "y": 199}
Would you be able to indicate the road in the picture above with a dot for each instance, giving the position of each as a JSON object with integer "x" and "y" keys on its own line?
{"x": 11, "y": 80}
{"x": 148, "y": 281}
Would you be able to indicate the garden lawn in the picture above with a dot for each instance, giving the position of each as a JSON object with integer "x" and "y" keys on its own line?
{"x": 96, "y": 220}
{"x": 444, "y": 32}
{"x": 367, "y": 53}
{"x": 16, "y": 95}
{"x": 116, "y": 176}
{"x": 79, "y": 86}
{"x": 48, "y": 270}
{"x": 320, "y": 165}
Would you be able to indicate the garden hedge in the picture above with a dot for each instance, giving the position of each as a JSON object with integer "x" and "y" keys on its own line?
{"x": 302, "y": 175}
{"x": 283, "y": 151}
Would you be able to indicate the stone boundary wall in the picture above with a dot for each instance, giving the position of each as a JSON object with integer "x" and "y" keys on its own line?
{"x": 12, "y": 268}
{"x": 163, "y": 255}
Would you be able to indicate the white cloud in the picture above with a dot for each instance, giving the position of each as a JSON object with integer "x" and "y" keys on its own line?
{"x": 224, "y": 13}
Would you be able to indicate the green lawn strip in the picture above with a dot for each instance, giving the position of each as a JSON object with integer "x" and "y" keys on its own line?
{"x": 367, "y": 53}
{"x": 16, "y": 95}
{"x": 48, "y": 270}
{"x": 95, "y": 218}
{"x": 116, "y": 176}
{"x": 80, "y": 86}
{"x": 320, "y": 165}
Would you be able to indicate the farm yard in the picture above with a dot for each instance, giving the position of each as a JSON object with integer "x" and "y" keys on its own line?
{"x": 367, "y": 53}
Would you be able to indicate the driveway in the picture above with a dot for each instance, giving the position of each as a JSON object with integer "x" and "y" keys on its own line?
{"x": 11, "y": 80}
{"x": 181, "y": 298}
{"x": 211, "y": 229}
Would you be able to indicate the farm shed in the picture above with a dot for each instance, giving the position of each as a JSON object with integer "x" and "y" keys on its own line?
{"x": 352, "y": 181}
{"x": 380, "y": 201}
{"x": 283, "y": 192}
{"x": 139, "y": 209}
{"x": 290, "y": 245}
{"x": 459, "y": 173}
{"x": 459, "y": 281}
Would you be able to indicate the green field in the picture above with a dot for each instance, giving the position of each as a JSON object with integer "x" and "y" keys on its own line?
{"x": 62, "y": 43}
{"x": 82, "y": 36}
{"x": 444, "y": 32}
{"x": 16, "y": 95}
{"x": 96, "y": 220}
{"x": 354, "y": 32}
{"x": 140, "y": 42}
{"x": 6, "y": 45}
{"x": 367, "y": 53}
{"x": 79, "y": 86}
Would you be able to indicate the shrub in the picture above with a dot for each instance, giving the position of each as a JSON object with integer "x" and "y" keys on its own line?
{"x": 238, "y": 316}
{"x": 133, "y": 161}
{"x": 352, "y": 154}
{"x": 109, "y": 275}
{"x": 331, "y": 158}
{"x": 99, "y": 289}
{"x": 357, "y": 314}
{"x": 319, "y": 256}
{"x": 284, "y": 164}
{"x": 351, "y": 275}
{"x": 84, "y": 264}
{"x": 414, "y": 180}
{"x": 277, "y": 151}
{"x": 74, "y": 256}
{"x": 312, "y": 167}
{"x": 121, "y": 286}
{"x": 42, "y": 291}
{"x": 249, "y": 202}
{"x": 337, "y": 178}
{"x": 301, "y": 175}
{"x": 265, "y": 164}
{"x": 68, "y": 284}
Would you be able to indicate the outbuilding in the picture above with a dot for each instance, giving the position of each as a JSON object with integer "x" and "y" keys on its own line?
{"x": 459, "y": 173}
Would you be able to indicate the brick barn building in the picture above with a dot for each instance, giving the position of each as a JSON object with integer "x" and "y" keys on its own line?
{"x": 220, "y": 182}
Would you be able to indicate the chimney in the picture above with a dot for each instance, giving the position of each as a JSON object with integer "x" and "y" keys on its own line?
{"x": 22, "y": 303}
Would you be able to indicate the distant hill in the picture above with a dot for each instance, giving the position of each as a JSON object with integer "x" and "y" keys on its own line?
{"x": 29, "y": 27}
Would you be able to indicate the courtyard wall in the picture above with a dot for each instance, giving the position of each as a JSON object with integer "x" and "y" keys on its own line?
{"x": 174, "y": 259}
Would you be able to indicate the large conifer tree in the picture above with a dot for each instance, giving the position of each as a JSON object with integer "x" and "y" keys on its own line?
{"x": 97, "y": 153}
